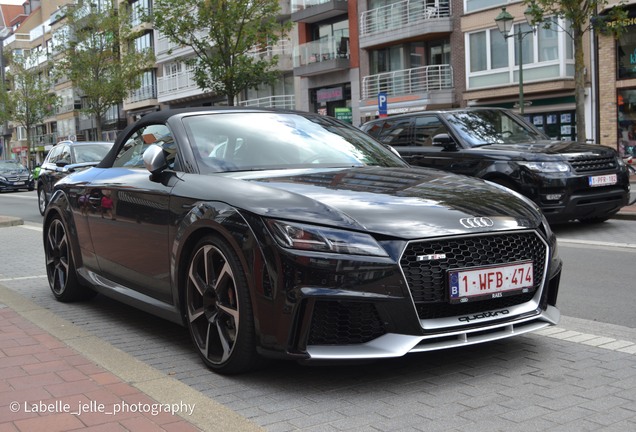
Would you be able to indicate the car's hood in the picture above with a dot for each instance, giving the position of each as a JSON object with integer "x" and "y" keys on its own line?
{"x": 406, "y": 203}
{"x": 555, "y": 149}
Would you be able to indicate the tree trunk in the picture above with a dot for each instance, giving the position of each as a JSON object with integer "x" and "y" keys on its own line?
{"x": 98, "y": 127}
{"x": 230, "y": 99}
{"x": 579, "y": 82}
{"x": 28, "y": 157}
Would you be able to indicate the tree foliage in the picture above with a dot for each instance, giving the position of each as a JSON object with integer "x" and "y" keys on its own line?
{"x": 581, "y": 17}
{"x": 221, "y": 33}
{"x": 97, "y": 58}
{"x": 27, "y": 101}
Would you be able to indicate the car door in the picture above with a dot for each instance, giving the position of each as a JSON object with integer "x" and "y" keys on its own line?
{"x": 418, "y": 149}
{"x": 48, "y": 169}
{"x": 129, "y": 216}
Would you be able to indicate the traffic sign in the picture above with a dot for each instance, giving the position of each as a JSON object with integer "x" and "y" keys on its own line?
{"x": 382, "y": 104}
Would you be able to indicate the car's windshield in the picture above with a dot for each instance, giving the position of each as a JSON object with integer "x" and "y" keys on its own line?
{"x": 11, "y": 166}
{"x": 491, "y": 127}
{"x": 90, "y": 152}
{"x": 257, "y": 141}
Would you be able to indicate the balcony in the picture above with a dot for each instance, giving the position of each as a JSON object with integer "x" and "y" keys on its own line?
{"x": 65, "y": 108}
{"x": 163, "y": 45}
{"x": 310, "y": 11}
{"x": 42, "y": 140}
{"x": 408, "y": 81}
{"x": 177, "y": 86}
{"x": 404, "y": 20}
{"x": 283, "y": 49}
{"x": 322, "y": 56}
{"x": 142, "y": 93}
{"x": 282, "y": 102}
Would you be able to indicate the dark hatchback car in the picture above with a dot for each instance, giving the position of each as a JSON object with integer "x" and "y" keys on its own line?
{"x": 567, "y": 180}
{"x": 67, "y": 157}
{"x": 300, "y": 238}
{"x": 14, "y": 176}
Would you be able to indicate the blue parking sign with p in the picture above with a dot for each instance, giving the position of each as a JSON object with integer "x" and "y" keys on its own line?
{"x": 382, "y": 104}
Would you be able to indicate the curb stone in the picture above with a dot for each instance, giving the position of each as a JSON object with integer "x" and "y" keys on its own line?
{"x": 9, "y": 221}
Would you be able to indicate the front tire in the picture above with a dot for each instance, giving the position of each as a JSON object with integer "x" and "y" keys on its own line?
{"x": 218, "y": 309}
{"x": 42, "y": 203}
{"x": 60, "y": 268}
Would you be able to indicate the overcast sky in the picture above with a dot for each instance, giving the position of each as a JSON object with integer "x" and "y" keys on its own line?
{"x": 12, "y": 2}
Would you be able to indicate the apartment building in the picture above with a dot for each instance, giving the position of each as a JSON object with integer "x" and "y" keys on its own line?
{"x": 492, "y": 68}
{"x": 411, "y": 50}
{"x": 617, "y": 85}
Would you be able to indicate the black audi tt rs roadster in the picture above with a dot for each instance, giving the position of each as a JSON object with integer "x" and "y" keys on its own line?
{"x": 284, "y": 234}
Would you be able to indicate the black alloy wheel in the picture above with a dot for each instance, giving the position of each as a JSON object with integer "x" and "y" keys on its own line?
{"x": 42, "y": 200}
{"x": 60, "y": 268}
{"x": 218, "y": 310}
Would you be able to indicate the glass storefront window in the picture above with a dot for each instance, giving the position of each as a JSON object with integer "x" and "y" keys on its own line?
{"x": 626, "y": 121}
{"x": 626, "y": 53}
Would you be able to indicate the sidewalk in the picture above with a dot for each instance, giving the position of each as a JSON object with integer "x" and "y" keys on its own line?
{"x": 45, "y": 385}
{"x": 629, "y": 212}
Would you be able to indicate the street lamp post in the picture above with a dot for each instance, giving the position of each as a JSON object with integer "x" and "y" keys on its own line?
{"x": 504, "y": 21}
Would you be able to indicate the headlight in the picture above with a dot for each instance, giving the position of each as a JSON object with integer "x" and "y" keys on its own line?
{"x": 3, "y": 178}
{"x": 546, "y": 166}
{"x": 320, "y": 239}
{"x": 620, "y": 161}
{"x": 30, "y": 177}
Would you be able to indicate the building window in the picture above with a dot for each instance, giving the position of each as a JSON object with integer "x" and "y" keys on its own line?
{"x": 626, "y": 53}
{"x": 138, "y": 9}
{"x": 21, "y": 133}
{"x": 142, "y": 42}
{"x": 493, "y": 60}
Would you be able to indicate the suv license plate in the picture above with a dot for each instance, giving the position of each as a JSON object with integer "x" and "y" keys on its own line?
{"x": 603, "y": 180}
{"x": 491, "y": 282}
{"x": 18, "y": 183}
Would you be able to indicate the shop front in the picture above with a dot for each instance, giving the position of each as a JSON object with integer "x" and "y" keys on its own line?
{"x": 328, "y": 99}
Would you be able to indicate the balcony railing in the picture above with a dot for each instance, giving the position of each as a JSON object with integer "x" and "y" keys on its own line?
{"x": 321, "y": 50}
{"x": 142, "y": 93}
{"x": 298, "y": 5}
{"x": 178, "y": 82}
{"x": 64, "y": 108}
{"x": 408, "y": 81}
{"x": 282, "y": 102}
{"x": 402, "y": 13}
{"x": 42, "y": 140}
{"x": 282, "y": 47}
{"x": 164, "y": 44}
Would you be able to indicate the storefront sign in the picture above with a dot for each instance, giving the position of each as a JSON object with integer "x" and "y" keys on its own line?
{"x": 404, "y": 110}
{"x": 344, "y": 114}
{"x": 18, "y": 149}
{"x": 395, "y": 99}
{"x": 329, "y": 95}
{"x": 322, "y": 111}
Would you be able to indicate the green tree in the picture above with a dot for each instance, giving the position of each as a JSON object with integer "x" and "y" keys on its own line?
{"x": 581, "y": 18}
{"x": 99, "y": 56}
{"x": 27, "y": 101}
{"x": 221, "y": 33}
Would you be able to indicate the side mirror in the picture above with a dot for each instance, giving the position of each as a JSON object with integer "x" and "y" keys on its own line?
{"x": 154, "y": 159}
{"x": 444, "y": 140}
{"x": 62, "y": 163}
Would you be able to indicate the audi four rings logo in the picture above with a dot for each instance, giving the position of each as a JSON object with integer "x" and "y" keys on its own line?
{"x": 477, "y": 222}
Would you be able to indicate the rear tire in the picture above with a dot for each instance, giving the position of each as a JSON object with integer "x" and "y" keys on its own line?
{"x": 42, "y": 203}
{"x": 60, "y": 268}
{"x": 218, "y": 309}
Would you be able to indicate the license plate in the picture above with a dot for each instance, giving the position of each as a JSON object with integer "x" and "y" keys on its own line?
{"x": 603, "y": 180}
{"x": 491, "y": 282}
{"x": 18, "y": 183}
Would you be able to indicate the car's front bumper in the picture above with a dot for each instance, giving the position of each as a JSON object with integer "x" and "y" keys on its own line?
{"x": 16, "y": 185}
{"x": 577, "y": 199}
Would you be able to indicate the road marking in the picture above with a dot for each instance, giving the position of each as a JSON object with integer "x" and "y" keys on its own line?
{"x": 597, "y": 243}
{"x": 31, "y": 227}
{"x": 589, "y": 339}
{"x": 22, "y": 278}
{"x": 20, "y": 196}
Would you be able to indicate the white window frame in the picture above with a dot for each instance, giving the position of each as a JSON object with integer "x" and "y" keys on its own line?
{"x": 513, "y": 69}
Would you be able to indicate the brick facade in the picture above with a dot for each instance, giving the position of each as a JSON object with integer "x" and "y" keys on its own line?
{"x": 608, "y": 115}
{"x": 458, "y": 53}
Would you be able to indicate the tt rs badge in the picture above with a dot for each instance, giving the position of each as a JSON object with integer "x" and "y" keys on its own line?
{"x": 477, "y": 222}
{"x": 430, "y": 257}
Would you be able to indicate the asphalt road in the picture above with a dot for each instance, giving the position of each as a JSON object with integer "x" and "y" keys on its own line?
{"x": 20, "y": 204}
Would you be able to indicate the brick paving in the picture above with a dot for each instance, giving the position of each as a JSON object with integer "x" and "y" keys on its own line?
{"x": 539, "y": 381}
{"x": 43, "y": 383}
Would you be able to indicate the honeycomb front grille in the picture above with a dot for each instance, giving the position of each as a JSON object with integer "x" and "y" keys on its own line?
{"x": 593, "y": 164}
{"x": 344, "y": 322}
{"x": 428, "y": 280}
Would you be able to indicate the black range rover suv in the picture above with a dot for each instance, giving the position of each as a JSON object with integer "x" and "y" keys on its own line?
{"x": 567, "y": 180}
